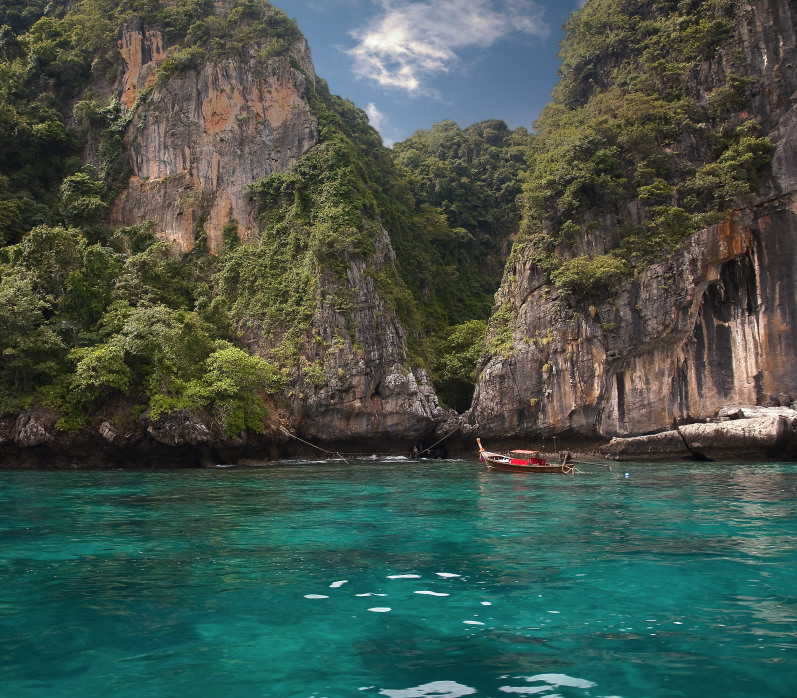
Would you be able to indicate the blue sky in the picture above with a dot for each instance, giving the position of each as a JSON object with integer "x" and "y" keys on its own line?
{"x": 411, "y": 63}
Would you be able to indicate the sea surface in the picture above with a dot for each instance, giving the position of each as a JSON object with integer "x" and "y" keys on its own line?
{"x": 399, "y": 579}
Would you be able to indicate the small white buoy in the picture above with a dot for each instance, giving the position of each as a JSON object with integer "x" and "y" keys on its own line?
{"x": 628, "y": 474}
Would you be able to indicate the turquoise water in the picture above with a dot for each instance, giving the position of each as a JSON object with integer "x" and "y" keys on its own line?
{"x": 399, "y": 579}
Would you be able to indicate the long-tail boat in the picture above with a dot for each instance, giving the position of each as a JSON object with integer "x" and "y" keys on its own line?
{"x": 521, "y": 461}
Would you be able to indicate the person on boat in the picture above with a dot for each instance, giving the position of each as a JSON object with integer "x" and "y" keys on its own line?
{"x": 414, "y": 454}
{"x": 565, "y": 457}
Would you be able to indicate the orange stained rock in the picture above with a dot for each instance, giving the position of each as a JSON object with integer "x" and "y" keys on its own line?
{"x": 219, "y": 109}
{"x": 132, "y": 48}
{"x": 280, "y": 105}
{"x": 218, "y": 216}
{"x": 734, "y": 239}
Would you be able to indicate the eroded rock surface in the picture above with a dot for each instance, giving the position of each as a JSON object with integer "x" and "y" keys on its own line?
{"x": 714, "y": 324}
{"x": 199, "y": 138}
{"x": 738, "y": 433}
{"x": 180, "y": 428}
{"x": 369, "y": 394}
{"x": 34, "y": 428}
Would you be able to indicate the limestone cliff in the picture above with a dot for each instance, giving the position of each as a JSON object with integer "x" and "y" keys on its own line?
{"x": 199, "y": 137}
{"x": 714, "y": 323}
{"x": 369, "y": 394}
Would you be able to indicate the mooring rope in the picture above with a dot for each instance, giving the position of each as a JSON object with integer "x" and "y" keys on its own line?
{"x": 323, "y": 450}
{"x": 354, "y": 455}
{"x": 426, "y": 450}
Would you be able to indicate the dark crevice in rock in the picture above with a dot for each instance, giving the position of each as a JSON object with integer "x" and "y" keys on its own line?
{"x": 695, "y": 455}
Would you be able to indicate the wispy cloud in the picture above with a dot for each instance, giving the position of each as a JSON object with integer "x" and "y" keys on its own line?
{"x": 379, "y": 121}
{"x": 375, "y": 117}
{"x": 410, "y": 42}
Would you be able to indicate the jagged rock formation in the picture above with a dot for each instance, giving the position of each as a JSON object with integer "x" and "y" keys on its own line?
{"x": 315, "y": 287}
{"x": 370, "y": 395}
{"x": 187, "y": 440}
{"x": 715, "y": 323}
{"x": 196, "y": 141}
{"x": 199, "y": 138}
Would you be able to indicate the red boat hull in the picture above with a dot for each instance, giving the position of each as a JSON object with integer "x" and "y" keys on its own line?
{"x": 498, "y": 464}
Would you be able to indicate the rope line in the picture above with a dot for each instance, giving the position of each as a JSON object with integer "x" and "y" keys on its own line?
{"x": 354, "y": 455}
{"x": 567, "y": 469}
{"x": 426, "y": 450}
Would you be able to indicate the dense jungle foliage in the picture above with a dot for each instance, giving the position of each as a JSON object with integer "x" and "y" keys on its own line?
{"x": 91, "y": 316}
{"x": 633, "y": 154}
{"x": 630, "y": 156}
{"x": 464, "y": 183}
{"x": 330, "y": 208}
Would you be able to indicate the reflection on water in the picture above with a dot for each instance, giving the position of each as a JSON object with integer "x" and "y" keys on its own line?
{"x": 449, "y": 689}
{"x": 399, "y": 579}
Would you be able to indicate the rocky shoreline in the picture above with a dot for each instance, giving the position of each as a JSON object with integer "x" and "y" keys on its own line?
{"x": 182, "y": 440}
{"x": 738, "y": 433}
{"x": 179, "y": 440}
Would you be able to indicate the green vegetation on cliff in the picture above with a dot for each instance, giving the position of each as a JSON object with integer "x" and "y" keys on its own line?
{"x": 633, "y": 153}
{"x": 472, "y": 177}
{"x": 89, "y": 315}
{"x": 463, "y": 188}
{"x": 330, "y": 209}
{"x": 93, "y": 317}
{"x": 630, "y": 158}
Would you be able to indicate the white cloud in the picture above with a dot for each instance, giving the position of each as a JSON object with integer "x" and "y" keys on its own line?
{"x": 411, "y": 41}
{"x": 375, "y": 117}
{"x": 379, "y": 121}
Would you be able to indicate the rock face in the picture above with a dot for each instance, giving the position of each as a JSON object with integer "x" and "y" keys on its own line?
{"x": 179, "y": 428}
{"x": 750, "y": 433}
{"x": 714, "y": 324}
{"x": 34, "y": 428}
{"x": 197, "y": 139}
{"x": 368, "y": 394}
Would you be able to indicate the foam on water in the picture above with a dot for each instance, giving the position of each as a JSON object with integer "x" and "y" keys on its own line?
{"x": 548, "y": 681}
{"x": 442, "y": 689}
{"x": 432, "y": 593}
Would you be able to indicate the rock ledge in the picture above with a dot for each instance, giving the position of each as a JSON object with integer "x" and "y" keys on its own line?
{"x": 740, "y": 432}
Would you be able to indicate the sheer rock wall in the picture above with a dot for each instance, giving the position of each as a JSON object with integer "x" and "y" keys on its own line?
{"x": 197, "y": 139}
{"x": 371, "y": 396}
{"x": 714, "y": 324}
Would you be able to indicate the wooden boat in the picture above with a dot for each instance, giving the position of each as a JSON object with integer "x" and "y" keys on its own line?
{"x": 521, "y": 461}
